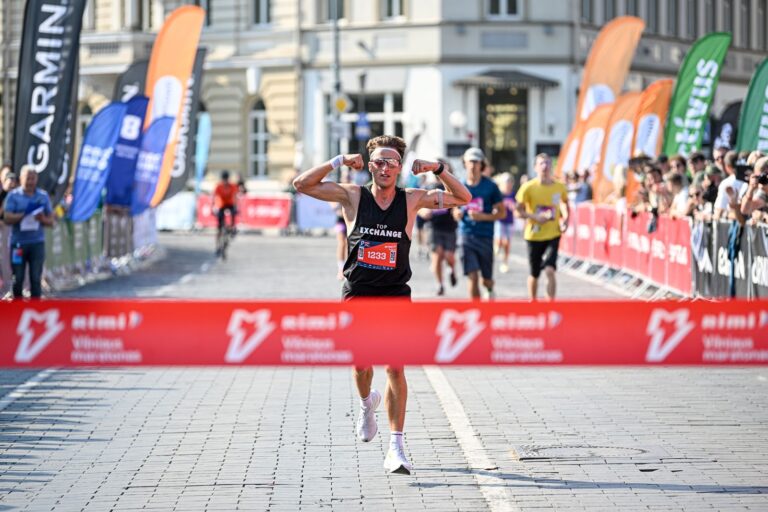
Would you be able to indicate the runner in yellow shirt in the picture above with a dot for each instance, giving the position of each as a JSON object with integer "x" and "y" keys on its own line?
{"x": 543, "y": 203}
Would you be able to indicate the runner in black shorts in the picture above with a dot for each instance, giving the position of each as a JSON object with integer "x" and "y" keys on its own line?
{"x": 543, "y": 202}
{"x": 380, "y": 221}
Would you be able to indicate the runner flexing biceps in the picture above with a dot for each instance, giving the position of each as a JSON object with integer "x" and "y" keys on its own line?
{"x": 380, "y": 220}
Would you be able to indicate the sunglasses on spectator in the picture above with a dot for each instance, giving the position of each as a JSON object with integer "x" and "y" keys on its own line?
{"x": 389, "y": 162}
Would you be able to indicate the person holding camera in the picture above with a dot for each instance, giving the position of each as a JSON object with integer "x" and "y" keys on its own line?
{"x": 754, "y": 204}
{"x": 731, "y": 188}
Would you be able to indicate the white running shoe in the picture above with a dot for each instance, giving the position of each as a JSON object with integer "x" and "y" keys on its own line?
{"x": 396, "y": 462}
{"x": 366, "y": 421}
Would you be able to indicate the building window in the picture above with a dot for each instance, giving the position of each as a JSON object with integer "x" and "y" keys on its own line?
{"x": 503, "y": 8}
{"x": 728, "y": 16}
{"x": 587, "y": 12}
{"x": 258, "y": 140}
{"x": 745, "y": 23}
{"x": 673, "y": 17}
{"x": 206, "y": 4}
{"x": 394, "y": 9}
{"x": 632, "y": 8}
{"x": 691, "y": 18}
{"x": 261, "y": 13}
{"x": 653, "y": 17}
{"x": 762, "y": 37}
{"x": 384, "y": 113}
{"x": 710, "y": 15}
{"x": 327, "y": 7}
{"x": 609, "y": 10}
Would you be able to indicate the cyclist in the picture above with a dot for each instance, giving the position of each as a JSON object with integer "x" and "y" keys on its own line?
{"x": 224, "y": 198}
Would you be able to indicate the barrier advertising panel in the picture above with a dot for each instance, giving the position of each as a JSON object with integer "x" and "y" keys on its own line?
{"x": 155, "y": 332}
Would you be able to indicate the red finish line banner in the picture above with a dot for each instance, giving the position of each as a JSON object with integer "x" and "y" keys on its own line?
{"x": 107, "y": 333}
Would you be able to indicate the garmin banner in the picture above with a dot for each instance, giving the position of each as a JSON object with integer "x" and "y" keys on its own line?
{"x": 120, "y": 180}
{"x": 47, "y": 80}
{"x": 732, "y": 252}
{"x": 95, "y": 160}
{"x": 132, "y": 82}
{"x": 703, "y": 256}
{"x": 185, "y": 148}
{"x": 758, "y": 266}
{"x": 149, "y": 162}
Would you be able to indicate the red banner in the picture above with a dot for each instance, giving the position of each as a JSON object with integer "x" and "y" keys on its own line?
{"x": 679, "y": 277}
{"x": 252, "y": 211}
{"x": 568, "y": 239}
{"x": 657, "y": 260}
{"x": 638, "y": 247}
{"x": 603, "y": 220}
{"x": 584, "y": 224}
{"x": 125, "y": 333}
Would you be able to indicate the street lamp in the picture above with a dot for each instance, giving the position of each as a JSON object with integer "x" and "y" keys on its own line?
{"x": 458, "y": 120}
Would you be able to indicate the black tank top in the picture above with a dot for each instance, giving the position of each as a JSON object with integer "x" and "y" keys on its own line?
{"x": 378, "y": 262}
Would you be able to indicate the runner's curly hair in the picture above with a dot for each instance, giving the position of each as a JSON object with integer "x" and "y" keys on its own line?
{"x": 386, "y": 141}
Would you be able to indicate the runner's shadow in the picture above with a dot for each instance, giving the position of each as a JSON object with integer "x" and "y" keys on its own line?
{"x": 512, "y": 481}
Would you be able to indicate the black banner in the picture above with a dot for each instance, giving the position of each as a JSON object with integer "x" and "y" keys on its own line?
{"x": 758, "y": 268}
{"x": 47, "y": 76}
{"x": 732, "y": 248}
{"x": 184, "y": 162}
{"x": 724, "y": 130}
{"x": 703, "y": 252}
{"x": 131, "y": 82}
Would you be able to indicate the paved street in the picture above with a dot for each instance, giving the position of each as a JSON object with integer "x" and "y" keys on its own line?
{"x": 283, "y": 438}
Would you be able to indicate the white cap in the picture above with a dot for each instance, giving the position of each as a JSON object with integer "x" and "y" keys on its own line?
{"x": 474, "y": 155}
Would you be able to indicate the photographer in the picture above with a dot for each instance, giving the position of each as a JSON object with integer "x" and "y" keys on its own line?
{"x": 754, "y": 204}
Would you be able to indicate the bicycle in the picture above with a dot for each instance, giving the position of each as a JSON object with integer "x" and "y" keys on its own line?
{"x": 224, "y": 233}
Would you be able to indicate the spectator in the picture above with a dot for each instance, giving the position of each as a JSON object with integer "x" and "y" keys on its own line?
{"x": 584, "y": 190}
{"x": 733, "y": 184}
{"x": 697, "y": 166}
{"x": 676, "y": 188}
{"x": 677, "y": 164}
{"x": 8, "y": 182}
{"x": 709, "y": 188}
{"x": 572, "y": 184}
{"x": 754, "y": 203}
{"x": 718, "y": 157}
{"x": 663, "y": 163}
{"x": 28, "y": 209}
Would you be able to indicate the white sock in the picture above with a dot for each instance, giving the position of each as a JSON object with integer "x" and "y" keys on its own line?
{"x": 396, "y": 440}
{"x": 366, "y": 402}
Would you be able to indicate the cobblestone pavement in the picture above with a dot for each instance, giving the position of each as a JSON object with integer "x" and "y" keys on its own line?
{"x": 283, "y": 438}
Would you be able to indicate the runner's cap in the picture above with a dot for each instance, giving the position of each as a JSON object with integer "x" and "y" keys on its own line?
{"x": 474, "y": 155}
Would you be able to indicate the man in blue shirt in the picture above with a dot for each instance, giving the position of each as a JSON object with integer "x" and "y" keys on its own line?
{"x": 476, "y": 223}
{"x": 28, "y": 210}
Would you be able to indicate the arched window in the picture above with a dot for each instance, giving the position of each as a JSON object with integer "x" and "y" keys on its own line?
{"x": 258, "y": 140}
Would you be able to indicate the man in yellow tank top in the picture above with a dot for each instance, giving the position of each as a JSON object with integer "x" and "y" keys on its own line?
{"x": 543, "y": 203}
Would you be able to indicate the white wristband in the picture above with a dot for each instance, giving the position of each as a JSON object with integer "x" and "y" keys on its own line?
{"x": 337, "y": 161}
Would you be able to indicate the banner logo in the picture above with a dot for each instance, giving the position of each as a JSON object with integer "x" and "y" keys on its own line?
{"x": 457, "y": 331}
{"x": 240, "y": 345}
{"x": 29, "y": 347}
{"x": 662, "y": 342}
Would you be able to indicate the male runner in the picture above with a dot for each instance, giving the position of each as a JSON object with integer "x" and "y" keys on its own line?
{"x": 380, "y": 221}
{"x": 476, "y": 224}
{"x": 543, "y": 203}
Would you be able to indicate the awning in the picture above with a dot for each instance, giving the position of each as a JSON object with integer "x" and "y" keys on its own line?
{"x": 505, "y": 79}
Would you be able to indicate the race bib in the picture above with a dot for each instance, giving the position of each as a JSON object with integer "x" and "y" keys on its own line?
{"x": 377, "y": 255}
{"x": 547, "y": 211}
{"x": 475, "y": 205}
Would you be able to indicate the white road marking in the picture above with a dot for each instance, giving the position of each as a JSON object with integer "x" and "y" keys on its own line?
{"x": 186, "y": 278}
{"x": 492, "y": 487}
{"x": 26, "y": 387}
